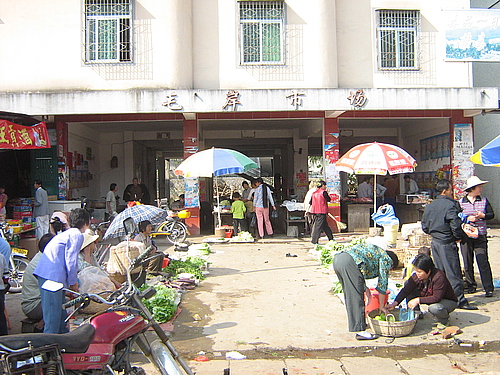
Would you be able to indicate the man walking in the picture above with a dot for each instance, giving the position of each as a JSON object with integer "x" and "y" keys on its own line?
{"x": 442, "y": 222}
{"x": 41, "y": 209}
{"x": 111, "y": 202}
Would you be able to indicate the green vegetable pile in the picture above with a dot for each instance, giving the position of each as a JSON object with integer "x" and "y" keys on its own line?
{"x": 202, "y": 248}
{"x": 162, "y": 304}
{"x": 191, "y": 265}
{"x": 383, "y": 318}
{"x": 243, "y": 237}
{"x": 331, "y": 248}
{"x": 337, "y": 288}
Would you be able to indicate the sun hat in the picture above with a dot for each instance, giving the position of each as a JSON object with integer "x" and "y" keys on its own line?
{"x": 474, "y": 181}
{"x": 88, "y": 238}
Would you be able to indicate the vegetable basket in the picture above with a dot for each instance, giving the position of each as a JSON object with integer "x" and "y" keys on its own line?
{"x": 391, "y": 329}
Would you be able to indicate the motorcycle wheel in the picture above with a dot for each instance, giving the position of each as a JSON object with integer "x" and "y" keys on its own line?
{"x": 175, "y": 231}
{"x": 16, "y": 273}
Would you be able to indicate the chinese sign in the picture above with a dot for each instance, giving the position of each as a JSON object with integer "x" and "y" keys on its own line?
{"x": 295, "y": 99}
{"x": 171, "y": 102}
{"x": 14, "y": 136}
{"x": 463, "y": 148}
{"x": 357, "y": 99}
{"x": 472, "y": 35}
{"x": 232, "y": 100}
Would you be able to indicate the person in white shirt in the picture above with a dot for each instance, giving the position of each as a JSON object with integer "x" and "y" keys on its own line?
{"x": 111, "y": 200}
{"x": 411, "y": 186}
{"x": 365, "y": 189}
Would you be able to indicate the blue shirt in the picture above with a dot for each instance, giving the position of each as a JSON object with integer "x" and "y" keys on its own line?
{"x": 59, "y": 261}
{"x": 257, "y": 197}
{"x": 5, "y": 249}
{"x": 372, "y": 262}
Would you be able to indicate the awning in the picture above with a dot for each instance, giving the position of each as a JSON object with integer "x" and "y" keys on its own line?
{"x": 18, "y": 137}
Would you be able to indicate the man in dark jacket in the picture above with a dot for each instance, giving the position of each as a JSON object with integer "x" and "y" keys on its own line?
{"x": 442, "y": 222}
{"x": 136, "y": 192}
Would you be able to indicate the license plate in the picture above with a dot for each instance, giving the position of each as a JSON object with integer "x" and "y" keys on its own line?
{"x": 17, "y": 250}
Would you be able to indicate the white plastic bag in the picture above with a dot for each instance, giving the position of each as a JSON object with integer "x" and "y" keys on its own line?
{"x": 94, "y": 280}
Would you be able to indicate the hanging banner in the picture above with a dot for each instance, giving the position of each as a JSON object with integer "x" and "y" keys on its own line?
{"x": 19, "y": 137}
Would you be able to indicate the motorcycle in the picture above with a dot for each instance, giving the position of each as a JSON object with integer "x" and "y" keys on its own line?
{"x": 102, "y": 343}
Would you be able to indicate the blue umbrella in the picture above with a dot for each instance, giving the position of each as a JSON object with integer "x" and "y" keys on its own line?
{"x": 488, "y": 155}
{"x": 138, "y": 213}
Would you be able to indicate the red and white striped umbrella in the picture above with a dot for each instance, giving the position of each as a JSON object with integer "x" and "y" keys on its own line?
{"x": 376, "y": 158}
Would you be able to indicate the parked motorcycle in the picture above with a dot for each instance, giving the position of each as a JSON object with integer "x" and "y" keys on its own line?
{"x": 102, "y": 343}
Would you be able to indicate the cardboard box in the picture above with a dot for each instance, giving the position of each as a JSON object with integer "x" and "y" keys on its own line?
{"x": 31, "y": 244}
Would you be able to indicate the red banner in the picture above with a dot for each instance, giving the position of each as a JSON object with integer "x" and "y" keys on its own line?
{"x": 19, "y": 137}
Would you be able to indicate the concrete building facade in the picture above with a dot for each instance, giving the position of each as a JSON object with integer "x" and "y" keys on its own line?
{"x": 147, "y": 80}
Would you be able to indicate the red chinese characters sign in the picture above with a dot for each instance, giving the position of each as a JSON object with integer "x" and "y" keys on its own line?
{"x": 17, "y": 137}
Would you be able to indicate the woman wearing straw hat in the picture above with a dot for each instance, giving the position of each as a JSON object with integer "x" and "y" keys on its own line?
{"x": 477, "y": 209}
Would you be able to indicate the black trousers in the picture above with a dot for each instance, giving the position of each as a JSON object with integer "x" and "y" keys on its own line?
{"x": 479, "y": 247}
{"x": 239, "y": 225}
{"x": 320, "y": 225}
{"x": 446, "y": 259}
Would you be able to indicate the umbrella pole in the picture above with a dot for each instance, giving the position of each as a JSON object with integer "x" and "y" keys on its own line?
{"x": 218, "y": 203}
{"x": 374, "y": 197}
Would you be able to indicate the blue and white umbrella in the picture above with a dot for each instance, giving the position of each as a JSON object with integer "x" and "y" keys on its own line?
{"x": 488, "y": 155}
{"x": 138, "y": 213}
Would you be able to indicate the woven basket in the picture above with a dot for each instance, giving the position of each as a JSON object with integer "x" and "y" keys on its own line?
{"x": 391, "y": 329}
{"x": 122, "y": 254}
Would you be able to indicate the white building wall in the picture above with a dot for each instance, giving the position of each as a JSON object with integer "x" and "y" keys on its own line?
{"x": 358, "y": 50}
{"x": 41, "y": 47}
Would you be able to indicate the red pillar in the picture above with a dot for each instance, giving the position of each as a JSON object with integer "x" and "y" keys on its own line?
{"x": 331, "y": 155}
{"x": 190, "y": 147}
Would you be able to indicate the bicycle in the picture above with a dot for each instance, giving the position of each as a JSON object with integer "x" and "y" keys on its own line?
{"x": 174, "y": 229}
{"x": 17, "y": 263}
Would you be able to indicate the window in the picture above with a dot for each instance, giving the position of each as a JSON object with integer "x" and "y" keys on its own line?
{"x": 397, "y": 39}
{"x": 261, "y": 32}
{"x": 107, "y": 30}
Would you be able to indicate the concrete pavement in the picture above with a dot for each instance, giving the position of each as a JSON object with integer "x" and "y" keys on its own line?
{"x": 279, "y": 312}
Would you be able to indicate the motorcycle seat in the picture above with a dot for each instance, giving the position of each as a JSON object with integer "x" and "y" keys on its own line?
{"x": 76, "y": 341}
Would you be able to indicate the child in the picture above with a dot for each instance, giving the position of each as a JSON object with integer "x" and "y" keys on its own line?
{"x": 238, "y": 210}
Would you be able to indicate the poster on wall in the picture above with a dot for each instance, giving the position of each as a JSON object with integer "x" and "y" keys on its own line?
{"x": 463, "y": 148}
{"x": 191, "y": 193}
{"x": 472, "y": 34}
{"x": 435, "y": 147}
{"x": 333, "y": 184}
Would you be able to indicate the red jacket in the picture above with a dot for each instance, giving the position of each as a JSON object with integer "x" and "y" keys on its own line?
{"x": 319, "y": 202}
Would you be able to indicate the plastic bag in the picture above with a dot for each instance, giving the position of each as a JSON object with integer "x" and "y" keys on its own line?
{"x": 253, "y": 220}
{"x": 470, "y": 230}
{"x": 274, "y": 214}
{"x": 94, "y": 280}
{"x": 385, "y": 216}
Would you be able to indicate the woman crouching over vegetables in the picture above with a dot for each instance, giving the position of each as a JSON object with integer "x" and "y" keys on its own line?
{"x": 429, "y": 286}
{"x": 353, "y": 266}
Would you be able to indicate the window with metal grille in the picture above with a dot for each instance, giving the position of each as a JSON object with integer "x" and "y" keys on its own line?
{"x": 261, "y": 32}
{"x": 398, "y": 32}
{"x": 108, "y": 30}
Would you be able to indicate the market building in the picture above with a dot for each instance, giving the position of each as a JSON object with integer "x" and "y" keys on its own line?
{"x": 125, "y": 86}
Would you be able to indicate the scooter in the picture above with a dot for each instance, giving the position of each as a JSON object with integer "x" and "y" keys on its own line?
{"x": 103, "y": 343}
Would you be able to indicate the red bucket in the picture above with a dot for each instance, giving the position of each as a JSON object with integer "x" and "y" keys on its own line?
{"x": 229, "y": 233}
{"x": 374, "y": 302}
{"x": 166, "y": 262}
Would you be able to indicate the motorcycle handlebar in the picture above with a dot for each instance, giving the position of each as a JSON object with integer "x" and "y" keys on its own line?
{"x": 76, "y": 301}
{"x": 141, "y": 258}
